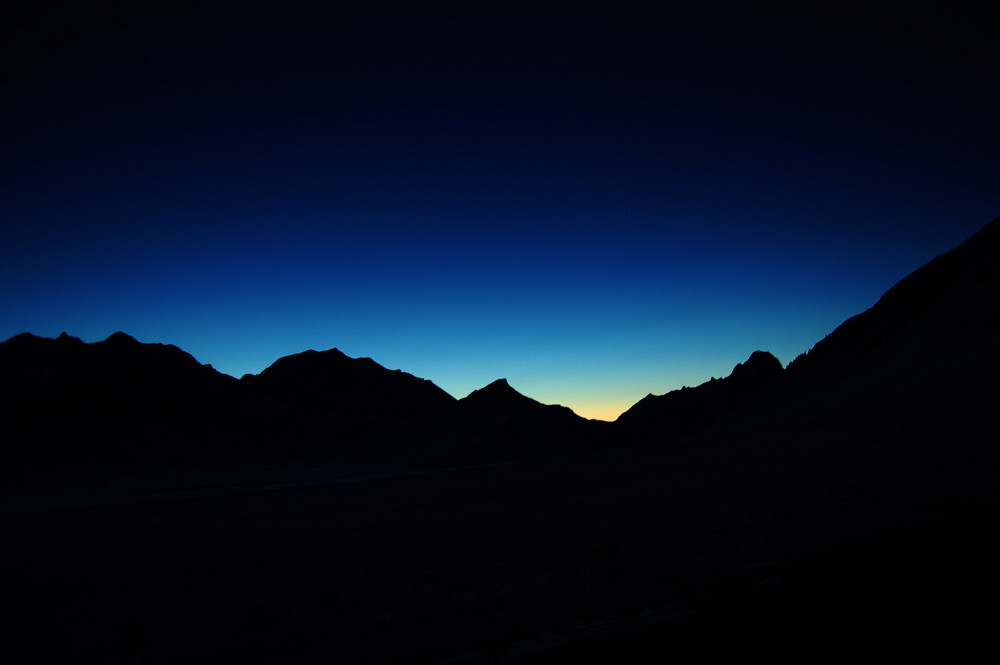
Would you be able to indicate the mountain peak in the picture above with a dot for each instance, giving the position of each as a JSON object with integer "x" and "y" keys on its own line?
{"x": 499, "y": 390}
{"x": 329, "y": 353}
{"x": 499, "y": 384}
{"x": 66, "y": 338}
{"x": 759, "y": 364}
{"x": 121, "y": 338}
{"x": 311, "y": 363}
{"x": 24, "y": 338}
{"x": 500, "y": 399}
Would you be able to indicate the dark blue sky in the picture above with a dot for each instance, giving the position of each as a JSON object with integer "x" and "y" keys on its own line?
{"x": 593, "y": 206}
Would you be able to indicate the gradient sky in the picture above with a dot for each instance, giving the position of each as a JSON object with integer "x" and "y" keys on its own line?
{"x": 595, "y": 207}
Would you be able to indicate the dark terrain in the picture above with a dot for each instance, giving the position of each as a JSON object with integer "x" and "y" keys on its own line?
{"x": 330, "y": 509}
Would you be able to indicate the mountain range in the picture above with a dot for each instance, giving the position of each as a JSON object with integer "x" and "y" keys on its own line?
{"x": 928, "y": 346}
{"x": 839, "y": 508}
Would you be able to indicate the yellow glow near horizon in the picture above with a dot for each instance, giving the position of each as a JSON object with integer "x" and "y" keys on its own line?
{"x": 608, "y": 411}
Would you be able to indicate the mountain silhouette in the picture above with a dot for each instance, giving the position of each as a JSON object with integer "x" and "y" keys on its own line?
{"x": 515, "y": 421}
{"x": 123, "y": 401}
{"x": 500, "y": 399}
{"x": 690, "y": 410}
{"x": 928, "y": 346}
{"x": 938, "y": 323}
{"x": 321, "y": 403}
{"x": 65, "y": 401}
{"x": 332, "y": 384}
{"x": 841, "y": 505}
{"x": 338, "y": 384}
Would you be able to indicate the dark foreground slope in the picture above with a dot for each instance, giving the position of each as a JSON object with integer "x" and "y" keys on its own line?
{"x": 804, "y": 545}
{"x": 928, "y": 349}
{"x": 940, "y": 325}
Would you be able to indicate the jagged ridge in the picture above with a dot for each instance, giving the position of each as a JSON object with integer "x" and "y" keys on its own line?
{"x": 930, "y": 344}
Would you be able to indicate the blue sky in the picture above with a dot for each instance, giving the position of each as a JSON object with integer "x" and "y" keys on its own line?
{"x": 593, "y": 207}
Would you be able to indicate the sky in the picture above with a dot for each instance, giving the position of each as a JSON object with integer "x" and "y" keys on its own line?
{"x": 593, "y": 206}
